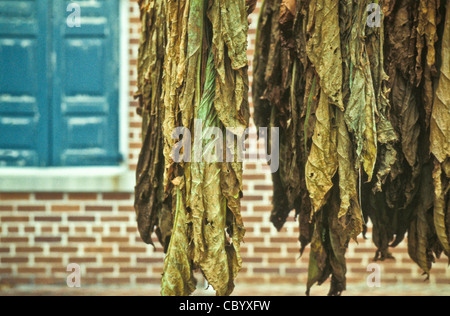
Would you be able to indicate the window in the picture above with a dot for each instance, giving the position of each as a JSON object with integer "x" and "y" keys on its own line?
{"x": 59, "y": 84}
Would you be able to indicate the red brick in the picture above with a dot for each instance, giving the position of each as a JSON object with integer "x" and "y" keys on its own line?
{"x": 14, "y": 239}
{"x": 59, "y": 270}
{"x": 252, "y": 219}
{"x": 14, "y": 219}
{"x": 133, "y": 270}
{"x": 445, "y": 281}
{"x": 65, "y": 208}
{"x": 247, "y": 177}
{"x": 266, "y": 270}
{"x": 83, "y": 196}
{"x": 293, "y": 250}
{"x": 149, "y": 260}
{"x": 100, "y": 270}
{"x": 78, "y": 260}
{"x": 47, "y": 230}
{"x": 296, "y": 270}
{"x": 49, "y": 196}
{"x": 47, "y": 239}
{"x": 286, "y": 280}
{"x": 290, "y": 260}
{"x": 13, "y": 230}
{"x": 253, "y": 240}
{"x": 252, "y": 260}
{"x": 116, "y": 280}
{"x": 98, "y": 208}
{"x": 48, "y": 260}
{"x": 29, "y": 249}
{"x": 265, "y": 250}
{"x": 63, "y": 249}
{"x": 115, "y": 239}
{"x": 63, "y": 229}
{"x": 6, "y": 208}
{"x": 250, "y": 280}
{"x": 284, "y": 240}
{"x": 251, "y": 198}
{"x": 115, "y": 229}
{"x": 31, "y": 208}
{"x": 132, "y": 230}
{"x": 98, "y": 249}
{"x": 148, "y": 280}
{"x": 14, "y": 260}
{"x": 133, "y": 249}
{"x": 116, "y": 260}
{"x": 81, "y": 239}
{"x": 14, "y": 196}
{"x": 264, "y": 209}
{"x": 81, "y": 219}
{"x": 49, "y": 281}
{"x": 126, "y": 209}
{"x": 80, "y": 229}
{"x": 263, "y": 188}
{"x": 47, "y": 219}
{"x": 30, "y": 270}
{"x": 5, "y": 271}
{"x": 15, "y": 281}
{"x": 117, "y": 196}
{"x": 114, "y": 219}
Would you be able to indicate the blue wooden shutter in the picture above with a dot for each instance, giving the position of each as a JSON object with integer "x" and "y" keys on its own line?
{"x": 85, "y": 85}
{"x": 23, "y": 83}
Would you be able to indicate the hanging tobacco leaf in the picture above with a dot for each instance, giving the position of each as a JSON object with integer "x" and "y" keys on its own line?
{"x": 152, "y": 208}
{"x": 440, "y": 135}
{"x": 323, "y": 161}
{"x": 194, "y": 56}
{"x": 440, "y": 124}
{"x": 358, "y": 125}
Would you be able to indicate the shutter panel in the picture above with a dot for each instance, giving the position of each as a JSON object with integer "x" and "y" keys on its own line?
{"x": 23, "y": 83}
{"x": 85, "y": 85}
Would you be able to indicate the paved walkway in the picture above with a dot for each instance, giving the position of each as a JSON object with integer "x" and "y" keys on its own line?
{"x": 353, "y": 290}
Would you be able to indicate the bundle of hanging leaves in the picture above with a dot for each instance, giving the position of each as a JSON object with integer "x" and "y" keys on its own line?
{"x": 192, "y": 68}
{"x": 364, "y": 113}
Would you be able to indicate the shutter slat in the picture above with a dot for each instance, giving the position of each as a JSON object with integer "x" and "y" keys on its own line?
{"x": 23, "y": 83}
{"x": 85, "y": 115}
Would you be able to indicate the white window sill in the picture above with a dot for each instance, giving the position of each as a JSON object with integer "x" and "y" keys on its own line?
{"x": 76, "y": 179}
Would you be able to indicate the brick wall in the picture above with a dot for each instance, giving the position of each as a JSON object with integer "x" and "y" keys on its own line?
{"x": 41, "y": 233}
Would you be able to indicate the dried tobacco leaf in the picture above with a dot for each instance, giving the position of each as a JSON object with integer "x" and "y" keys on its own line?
{"x": 439, "y": 135}
{"x": 328, "y": 249}
{"x": 440, "y": 119}
{"x": 361, "y": 109}
{"x": 323, "y": 161}
{"x": 152, "y": 209}
{"x": 324, "y": 47}
{"x": 178, "y": 278}
{"x": 441, "y": 188}
{"x": 350, "y": 214}
{"x": 377, "y": 121}
{"x": 210, "y": 71}
{"x": 192, "y": 68}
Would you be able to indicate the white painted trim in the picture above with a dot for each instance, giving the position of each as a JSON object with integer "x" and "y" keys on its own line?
{"x": 76, "y": 179}
{"x": 85, "y": 179}
{"x": 124, "y": 75}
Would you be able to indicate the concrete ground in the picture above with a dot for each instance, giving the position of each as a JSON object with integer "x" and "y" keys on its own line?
{"x": 243, "y": 290}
